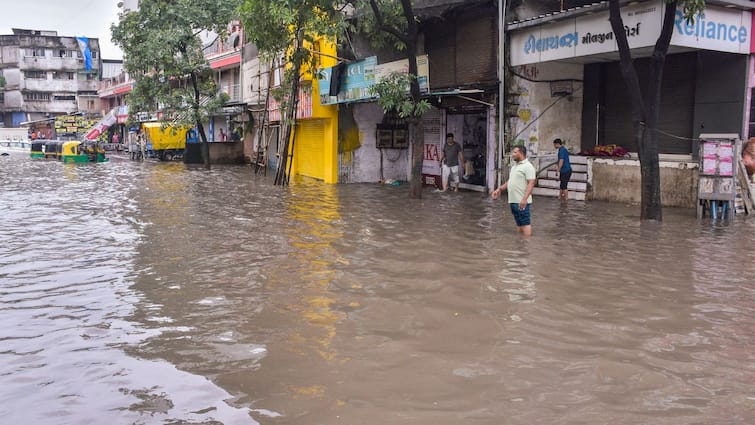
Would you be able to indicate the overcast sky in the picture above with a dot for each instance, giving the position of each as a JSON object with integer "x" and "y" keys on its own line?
{"x": 88, "y": 18}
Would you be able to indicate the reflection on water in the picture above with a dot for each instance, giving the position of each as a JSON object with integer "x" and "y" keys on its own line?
{"x": 158, "y": 293}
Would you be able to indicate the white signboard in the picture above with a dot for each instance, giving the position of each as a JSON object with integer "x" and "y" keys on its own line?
{"x": 423, "y": 70}
{"x": 718, "y": 29}
{"x": 723, "y": 30}
{"x": 642, "y": 25}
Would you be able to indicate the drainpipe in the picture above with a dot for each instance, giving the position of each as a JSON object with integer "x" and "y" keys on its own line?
{"x": 501, "y": 87}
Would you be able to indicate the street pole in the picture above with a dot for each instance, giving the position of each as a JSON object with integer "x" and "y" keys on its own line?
{"x": 501, "y": 87}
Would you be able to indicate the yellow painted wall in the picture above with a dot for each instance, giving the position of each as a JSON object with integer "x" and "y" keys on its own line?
{"x": 316, "y": 145}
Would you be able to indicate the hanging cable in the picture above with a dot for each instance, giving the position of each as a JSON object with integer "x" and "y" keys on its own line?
{"x": 642, "y": 123}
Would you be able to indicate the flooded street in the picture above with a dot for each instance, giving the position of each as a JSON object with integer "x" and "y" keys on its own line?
{"x": 151, "y": 293}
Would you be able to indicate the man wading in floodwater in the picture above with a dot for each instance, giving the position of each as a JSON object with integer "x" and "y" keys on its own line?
{"x": 520, "y": 184}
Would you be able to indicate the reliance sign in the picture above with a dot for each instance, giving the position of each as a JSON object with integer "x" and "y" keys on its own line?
{"x": 717, "y": 29}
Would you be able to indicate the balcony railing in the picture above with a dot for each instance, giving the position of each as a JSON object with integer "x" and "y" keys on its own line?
{"x": 233, "y": 91}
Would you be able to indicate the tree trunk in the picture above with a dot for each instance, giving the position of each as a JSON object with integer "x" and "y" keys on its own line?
{"x": 645, "y": 115}
{"x": 281, "y": 176}
{"x": 416, "y": 127}
{"x": 417, "y": 138}
{"x": 205, "y": 145}
{"x": 200, "y": 127}
{"x": 289, "y": 117}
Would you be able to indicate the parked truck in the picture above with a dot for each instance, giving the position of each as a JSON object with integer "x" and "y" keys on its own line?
{"x": 166, "y": 143}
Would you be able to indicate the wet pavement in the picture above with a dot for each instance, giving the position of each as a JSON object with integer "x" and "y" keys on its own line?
{"x": 152, "y": 293}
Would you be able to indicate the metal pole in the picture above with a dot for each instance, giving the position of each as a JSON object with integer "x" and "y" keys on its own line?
{"x": 501, "y": 87}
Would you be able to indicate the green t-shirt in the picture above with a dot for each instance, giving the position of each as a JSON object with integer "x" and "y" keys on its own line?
{"x": 517, "y": 185}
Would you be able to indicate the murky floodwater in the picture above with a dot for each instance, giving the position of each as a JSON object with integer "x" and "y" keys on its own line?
{"x": 152, "y": 293}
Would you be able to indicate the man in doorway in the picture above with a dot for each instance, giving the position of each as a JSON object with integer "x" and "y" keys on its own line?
{"x": 520, "y": 184}
{"x": 564, "y": 169}
{"x": 450, "y": 160}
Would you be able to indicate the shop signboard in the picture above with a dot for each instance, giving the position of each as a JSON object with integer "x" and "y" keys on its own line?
{"x": 359, "y": 77}
{"x": 720, "y": 29}
{"x": 402, "y": 66}
{"x": 356, "y": 81}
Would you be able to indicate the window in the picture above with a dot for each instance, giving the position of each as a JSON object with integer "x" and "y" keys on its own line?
{"x": 64, "y": 97}
{"x": 2, "y": 97}
{"x": 61, "y": 75}
{"x": 37, "y": 96}
{"x": 65, "y": 53}
{"x": 94, "y": 54}
{"x": 39, "y": 75}
{"x": 34, "y": 52}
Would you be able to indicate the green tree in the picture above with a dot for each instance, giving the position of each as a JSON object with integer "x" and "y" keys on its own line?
{"x": 395, "y": 23}
{"x": 163, "y": 53}
{"x": 290, "y": 28}
{"x": 645, "y": 110}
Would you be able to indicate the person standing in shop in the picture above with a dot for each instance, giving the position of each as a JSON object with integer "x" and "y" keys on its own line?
{"x": 450, "y": 160}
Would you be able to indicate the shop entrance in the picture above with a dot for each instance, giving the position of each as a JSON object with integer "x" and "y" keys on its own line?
{"x": 470, "y": 130}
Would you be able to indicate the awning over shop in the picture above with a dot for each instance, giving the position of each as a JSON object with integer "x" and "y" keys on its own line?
{"x": 28, "y": 123}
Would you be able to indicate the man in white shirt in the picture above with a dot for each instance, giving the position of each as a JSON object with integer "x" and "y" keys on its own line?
{"x": 520, "y": 184}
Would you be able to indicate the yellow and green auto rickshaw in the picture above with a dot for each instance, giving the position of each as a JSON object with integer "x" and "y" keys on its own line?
{"x": 72, "y": 151}
{"x": 75, "y": 151}
{"x": 52, "y": 149}
{"x": 38, "y": 148}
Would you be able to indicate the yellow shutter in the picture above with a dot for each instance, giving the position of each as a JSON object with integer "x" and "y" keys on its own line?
{"x": 310, "y": 137}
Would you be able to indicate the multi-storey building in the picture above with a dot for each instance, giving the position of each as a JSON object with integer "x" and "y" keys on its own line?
{"x": 224, "y": 57}
{"x": 46, "y": 75}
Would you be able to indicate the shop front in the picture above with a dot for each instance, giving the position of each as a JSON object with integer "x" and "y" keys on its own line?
{"x": 472, "y": 123}
{"x": 704, "y": 88}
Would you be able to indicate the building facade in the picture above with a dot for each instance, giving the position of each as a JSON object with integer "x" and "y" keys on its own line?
{"x": 47, "y": 75}
{"x": 568, "y": 85}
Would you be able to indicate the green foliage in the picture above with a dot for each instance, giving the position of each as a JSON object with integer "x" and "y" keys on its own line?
{"x": 2, "y": 81}
{"x": 279, "y": 27}
{"x": 392, "y": 16}
{"x": 163, "y": 53}
{"x": 691, "y": 9}
{"x": 288, "y": 30}
{"x": 393, "y": 95}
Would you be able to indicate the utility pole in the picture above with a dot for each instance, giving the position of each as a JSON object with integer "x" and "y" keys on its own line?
{"x": 501, "y": 88}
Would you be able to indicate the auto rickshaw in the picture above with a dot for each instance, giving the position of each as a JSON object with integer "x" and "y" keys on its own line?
{"x": 73, "y": 152}
{"x": 38, "y": 148}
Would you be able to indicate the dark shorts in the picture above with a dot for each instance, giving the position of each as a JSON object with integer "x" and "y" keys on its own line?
{"x": 522, "y": 217}
{"x": 564, "y": 177}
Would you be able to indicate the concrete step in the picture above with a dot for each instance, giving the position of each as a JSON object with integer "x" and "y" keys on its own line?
{"x": 554, "y": 184}
{"x": 575, "y": 177}
{"x": 575, "y": 168}
{"x": 576, "y": 159}
{"x": 553, "y": 193}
